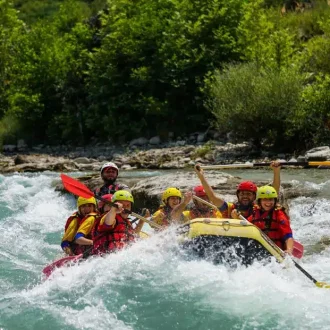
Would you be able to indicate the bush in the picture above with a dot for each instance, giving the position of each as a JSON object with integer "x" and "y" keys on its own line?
{"x": 255, "y": 104}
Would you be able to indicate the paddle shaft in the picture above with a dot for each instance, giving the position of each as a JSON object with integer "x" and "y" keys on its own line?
{"x": 251, "y": 165}
{"x": 283, "y": 254}
{"x": 205, "y": 202}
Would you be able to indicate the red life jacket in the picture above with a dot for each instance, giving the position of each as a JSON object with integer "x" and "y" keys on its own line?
{"x": 269, "y": 223}
{"x": 77, "y": 248}
{"x": 116, "y": 238}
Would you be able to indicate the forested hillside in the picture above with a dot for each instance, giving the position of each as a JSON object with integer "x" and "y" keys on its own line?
{"x": 74, "y": 71}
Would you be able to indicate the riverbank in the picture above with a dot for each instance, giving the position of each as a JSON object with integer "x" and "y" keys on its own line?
{"x": 141, "y": 156}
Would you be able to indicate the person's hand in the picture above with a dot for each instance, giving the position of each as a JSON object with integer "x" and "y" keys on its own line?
{"x": 119, "y": 207}
{"x": 275, "y": 165}
{"x": 187, "y": 197}
{"x": 199, "y": 171}
{"x": 288, "y": 251}
{"x": 146, "y": 213}
{"x": 234, "y": 214}
{"x": 68, "y": 251}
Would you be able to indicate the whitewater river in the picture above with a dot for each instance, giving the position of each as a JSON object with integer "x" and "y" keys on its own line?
{"x": 152, "y": 285}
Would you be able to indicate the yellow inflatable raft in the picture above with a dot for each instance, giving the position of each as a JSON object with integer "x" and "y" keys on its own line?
{"x": 227, "y": 241}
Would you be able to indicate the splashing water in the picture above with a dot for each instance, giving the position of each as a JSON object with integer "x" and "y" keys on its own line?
{"x": 149, "y": 285}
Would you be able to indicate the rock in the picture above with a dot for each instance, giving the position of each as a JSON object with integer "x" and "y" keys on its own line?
{"x": 154, "y": 140}
{"x": 21, "y": 145}
{"x": 318, "y": 154}
{"x": 9, "y": 147}
{"x": 139, "y": 142}
{"x": 19, "y": 159}
{"x": 301, "y": 159}
{"x": 201, "y": 137}
{"x": 180, "y": 143}
{"x": 82, "y": 160}
{"x": 126, "y": 167}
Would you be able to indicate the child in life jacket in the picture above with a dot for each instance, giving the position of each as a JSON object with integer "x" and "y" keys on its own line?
{"x": 114, "y": 230}
{"x": 77, "y": 236}
{"x": 199, "y": 210}
{"x": 171, "y": 197}
{"x": 272, "y": 219}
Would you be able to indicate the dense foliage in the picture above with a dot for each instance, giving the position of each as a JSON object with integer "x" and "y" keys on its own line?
{"x": 72, "y": 71}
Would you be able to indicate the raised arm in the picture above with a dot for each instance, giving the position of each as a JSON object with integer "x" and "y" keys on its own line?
{"x": 177, "y": 210}
{"x": 216, "y": 200}
{"x": 276, "y": 166}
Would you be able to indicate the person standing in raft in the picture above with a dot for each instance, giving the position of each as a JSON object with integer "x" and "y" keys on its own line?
{"x": 109, "y": 174}
{"x": 246, "y": 193}
{"x": 199, "y": 210}
{"x": 77, "y": 236}
{"x": 171, "y": 197}
{"x": 114, "y": 230}
{"x": 271, "y": 218}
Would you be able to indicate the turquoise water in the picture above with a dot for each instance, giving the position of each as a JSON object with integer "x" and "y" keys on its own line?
{"x": 151, "y": 285}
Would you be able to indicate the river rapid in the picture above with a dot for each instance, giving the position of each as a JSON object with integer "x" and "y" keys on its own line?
{"x": 152, "y": 285}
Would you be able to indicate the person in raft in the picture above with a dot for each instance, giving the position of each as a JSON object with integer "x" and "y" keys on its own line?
{"x": 171, "y": 197}
{"x": 109, "y": 174}
{"x": 199, "y": 210}
{"x": 245, "y": 192}
{"x": 114, "y": 231}
{"x": 271, "y": 218}
{"x": 77, "y": 235}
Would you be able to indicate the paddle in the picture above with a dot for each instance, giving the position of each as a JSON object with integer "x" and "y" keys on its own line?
{"x": 251, "y": 165}
{"x": 298, "y": 248}
{"x": 79, "y": 189}
{"x": 284, "y": 255}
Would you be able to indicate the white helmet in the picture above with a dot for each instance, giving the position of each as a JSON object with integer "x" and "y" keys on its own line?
{"x": 109, "y": 164}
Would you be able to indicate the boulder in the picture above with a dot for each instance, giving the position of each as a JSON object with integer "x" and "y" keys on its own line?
{"x": 318, "y": 154}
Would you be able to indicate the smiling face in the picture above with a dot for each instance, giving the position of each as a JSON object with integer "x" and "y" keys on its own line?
{"x": 267, "y": 203}
{"x": 173, "y": 201}
{"x": 246, "y": 197}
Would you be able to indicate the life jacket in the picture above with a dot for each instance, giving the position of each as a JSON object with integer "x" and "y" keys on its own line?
{"x": 77, "y": 248}
{"x": 110, "y": 189}
{"x": 114, "y": 239}
{"x": 166, "y": 210}
{"x": 269, "y": 223}
{"x": 237, "y": 206}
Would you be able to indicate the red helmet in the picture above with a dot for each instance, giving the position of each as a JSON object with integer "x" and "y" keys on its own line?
{"x": 247, "y": 186}
{"x": 101, "y": 203}
{"x": 199, "y": 191}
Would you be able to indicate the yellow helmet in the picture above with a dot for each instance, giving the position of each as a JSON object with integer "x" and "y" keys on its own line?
{"x": 122, "y": 195}
{"x": 82, "y": 201}
{"x": 266, "y": 192}
{"x": 171, "y": 192}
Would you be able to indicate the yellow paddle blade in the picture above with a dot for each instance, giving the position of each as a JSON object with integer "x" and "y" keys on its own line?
{"x": 323, "y": 285}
